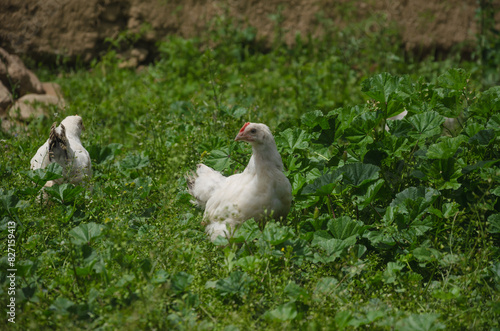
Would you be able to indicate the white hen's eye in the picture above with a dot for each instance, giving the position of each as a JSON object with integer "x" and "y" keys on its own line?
{"x": 253, "y": 131}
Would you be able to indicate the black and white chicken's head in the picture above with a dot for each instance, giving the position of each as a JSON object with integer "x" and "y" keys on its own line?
{"x": 255, "y": 133}
{"x": 73, "y": 125}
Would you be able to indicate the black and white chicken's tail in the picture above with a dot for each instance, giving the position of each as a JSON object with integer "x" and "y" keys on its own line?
{"x": 58, "y": 144}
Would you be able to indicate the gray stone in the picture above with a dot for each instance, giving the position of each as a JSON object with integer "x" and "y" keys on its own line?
{"x": 34, "y": 105}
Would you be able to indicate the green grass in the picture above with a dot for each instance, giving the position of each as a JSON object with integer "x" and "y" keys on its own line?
{"x": 387, "y": 230}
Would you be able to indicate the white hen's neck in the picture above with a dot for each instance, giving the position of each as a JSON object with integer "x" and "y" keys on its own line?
{"x": 266, "y": 157}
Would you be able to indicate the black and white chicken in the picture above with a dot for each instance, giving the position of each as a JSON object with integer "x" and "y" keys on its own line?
{"x": 65, "y": 148}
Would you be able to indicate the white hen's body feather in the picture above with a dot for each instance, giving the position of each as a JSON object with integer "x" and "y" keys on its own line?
{"x": 260, "y": 191}
{"x": 68, "y": 152}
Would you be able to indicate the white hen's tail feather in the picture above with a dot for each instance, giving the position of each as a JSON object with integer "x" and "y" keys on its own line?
{"x": 203, "y": 183}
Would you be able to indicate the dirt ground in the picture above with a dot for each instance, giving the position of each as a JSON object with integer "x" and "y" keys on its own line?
{"x": 79, "y": 28}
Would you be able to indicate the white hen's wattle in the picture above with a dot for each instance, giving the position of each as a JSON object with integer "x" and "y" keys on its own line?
{"x": 260, "y": 191}
{"x": 65, "y": 148}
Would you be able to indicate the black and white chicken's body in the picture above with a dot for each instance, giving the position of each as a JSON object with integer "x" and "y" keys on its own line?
{"x": 65, "y": 148}
{"x": 260, "y": 191}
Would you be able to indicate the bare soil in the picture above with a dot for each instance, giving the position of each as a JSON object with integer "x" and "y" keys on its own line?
{"x": 79, "y": 28}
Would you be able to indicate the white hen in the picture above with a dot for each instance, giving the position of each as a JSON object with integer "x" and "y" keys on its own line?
{"x": 260, "y": 191}
{"x": 65, "y": 148}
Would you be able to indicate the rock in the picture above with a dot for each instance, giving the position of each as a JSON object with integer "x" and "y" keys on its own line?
{"x": 129, "y": 63}
{"x": 52, "y": 89}
{"x": 133, "y": 58}
{"x": 3, "y": 70}
{"x": 34, "y": 105}
{"x": 7, "y": 125}
{"x": 20, "y": 79}
{"x": 140, "y": 53}
{"x": 5, "y": 99}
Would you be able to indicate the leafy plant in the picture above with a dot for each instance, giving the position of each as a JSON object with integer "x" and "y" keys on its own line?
{"x": 394, "y": 223}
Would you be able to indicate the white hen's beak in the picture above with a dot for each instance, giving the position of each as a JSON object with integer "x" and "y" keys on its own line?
{"x": 243, "y": 137}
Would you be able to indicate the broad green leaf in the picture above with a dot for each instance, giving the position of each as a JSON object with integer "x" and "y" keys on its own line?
{"x": 494, "y": 222}
{"x": 102, "y": 154}
{"x": 483, "y": 137}
{"x": 361, "y": 128}
{"x": 125, "y": 280}
{"x": 285, "y": 312}
{"x": 333, "y": 247}
{"x": 248, "y": 231}
{"x": 325, "y": 125}
{"x": 343, "y": 319}
{"x": 446, "y": 148}
{"x": 368, "y": 193}
{"x": 399, "y": 128}
{"x": 221, "y": 241}
{"x": 488, "y": 102}
{"x": 249, "y": 263}
{"x": 64, "y": 193}
{"x": 298, "y": 182}
{"x": 396, "y": 146}
{"x": 296, "y": 292}
{"x": 325, "y": 286}
{"x": 472, "y": 128}
{"x": 454, "y": 78}
{"x": 478, "y": 166}
{"x": 495, "y": 270}
{"x": 414, "y": 193}
{"x": 413, "y": 203}
{"x": 425, "y": 125}
{"x": 358, "y": 174}
{"x": 375, "y": 156}
{"x": 315, "y": 118}
{"x": 344, "y": 227}
{"x": 444, "y": 173}
{"x": 494, "y": 123}
{"x": 293, "y": 139}
{"x": 420, "y": 322}
{"x": 380, "y": 238}
{"x": 368, "y": 318}
{"x": 426, "y": 254}
{"x": 219, "y": 160}
{"x": 236, "y": 284}
{"x": 10, "y": 202}
{"x": 393, "y": 269}
{"x": 134, "y": 161}
{"x": 62, "y": 306}
{"x": 327, "y": 137}
{"x": 41, "y": 176}
{"x": 159, "y": 277}
{"x": 85, "y": 232}
{"x": 380, "y": 87}
{"x": 276, "y": 234}
{"x": 346, "y": 115}
{"x": 394, "y": 108}
{"x": 25, "y": 268}
{"x": 141, "y": 186}
{"x": 181, "y": 281}
{"x": 324, "y": 184}
{"x": 359, "y": 250}
{"x": 450, "y": 209}
{"x": 447, "y": 260}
